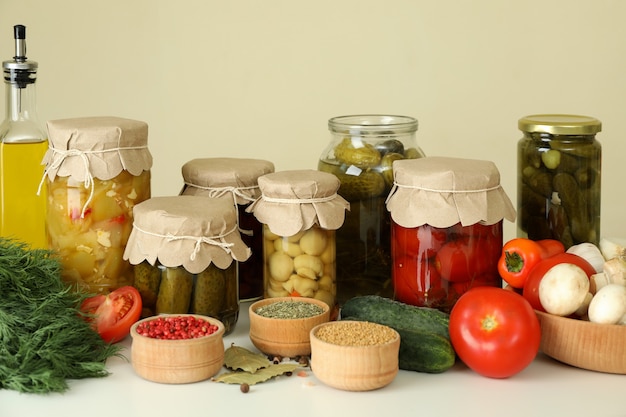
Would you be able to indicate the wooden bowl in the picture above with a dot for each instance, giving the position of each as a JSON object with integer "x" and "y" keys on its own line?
{"x": 284, "y": 337}
{"x": 351, "y": 367}
{"x": 177, "y": 361}
{"x": 586, "y": 345}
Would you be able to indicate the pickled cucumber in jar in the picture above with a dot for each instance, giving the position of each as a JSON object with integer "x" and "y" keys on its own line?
{"x": 361, "y": 154}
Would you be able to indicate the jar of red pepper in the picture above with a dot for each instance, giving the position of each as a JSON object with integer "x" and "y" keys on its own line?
{"x": 446, "y": 228}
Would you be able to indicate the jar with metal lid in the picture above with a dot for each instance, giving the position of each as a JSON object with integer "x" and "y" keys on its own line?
{"x": 300, "y": 211}
{"x": 184, "y": 250}
{"x": 361, "y": 153}
{"x": 236, "y": 180}
{"x": 97, "y": 170}
{"x": 558, "y": 178}
{"x": 447, "y": 216}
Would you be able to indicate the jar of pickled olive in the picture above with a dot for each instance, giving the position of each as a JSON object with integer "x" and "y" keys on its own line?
{"x": 97, "y": 170}
{"x": 300, "y": 212}
{"x": 236, "y": 180}
{"x": 558, "y": 178}
{"x": 447, "y": 216}
{"x": 184, "y": 250}
{"x": 361, "y": 153}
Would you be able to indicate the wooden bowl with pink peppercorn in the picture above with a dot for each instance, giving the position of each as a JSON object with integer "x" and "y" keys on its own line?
{"x": 177, "y": 348}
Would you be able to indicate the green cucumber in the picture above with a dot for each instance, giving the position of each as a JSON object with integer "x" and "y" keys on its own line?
{"x": 424, "y": 335}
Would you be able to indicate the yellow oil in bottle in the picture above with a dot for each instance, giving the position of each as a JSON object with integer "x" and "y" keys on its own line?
{"x": 22, "y": 211}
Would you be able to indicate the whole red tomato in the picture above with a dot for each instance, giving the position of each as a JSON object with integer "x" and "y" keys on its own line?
{"x": 113, "y": 315}
{"x": 422, "y": 241}
{"x": 465, "y": 258}
{"x": 495, "y": 332}
{"x": 417, "y": 282}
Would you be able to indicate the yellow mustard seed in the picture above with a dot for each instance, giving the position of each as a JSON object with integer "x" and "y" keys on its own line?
{"x": 356, "y": 333}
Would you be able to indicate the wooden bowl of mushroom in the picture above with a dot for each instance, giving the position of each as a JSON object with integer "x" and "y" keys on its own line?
{"x": 584, "y": 344}
{"x": 354, "y": 355}
{"x": 281, "y": 326}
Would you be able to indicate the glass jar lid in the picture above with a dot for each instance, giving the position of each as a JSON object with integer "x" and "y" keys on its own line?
{"x": 560, "y": 124}
{"x": 372, "y": 125}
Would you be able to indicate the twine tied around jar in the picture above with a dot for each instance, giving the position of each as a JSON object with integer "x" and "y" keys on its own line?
{"x": 435, "y": 190}
{"x": 299, "y": 200}
{"x": 60, "y": 155}
{"x": 209, "y": 240}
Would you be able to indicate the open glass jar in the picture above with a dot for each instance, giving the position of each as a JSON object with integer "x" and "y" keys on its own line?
{"x": 97, "y": 170}
{"x": 558, "y": 181}
{"x": 236, "y": 180}
{"x": 447, "y": 229}
{"x": 184, "y": 250}
{"x": 361, "y": 153}
{"x": 300, "y": 211}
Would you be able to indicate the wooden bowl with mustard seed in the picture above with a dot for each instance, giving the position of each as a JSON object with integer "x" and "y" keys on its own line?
{"x": 281, "y": 326}
{"x": 354, "y": 355}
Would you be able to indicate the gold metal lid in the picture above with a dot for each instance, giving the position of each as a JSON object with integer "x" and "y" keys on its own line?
{"x": 560, "y": 124}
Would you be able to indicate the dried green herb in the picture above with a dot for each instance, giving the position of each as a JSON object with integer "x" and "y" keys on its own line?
{"x": 44, "y": 340}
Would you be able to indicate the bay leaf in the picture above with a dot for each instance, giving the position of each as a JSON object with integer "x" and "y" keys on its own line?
{"x": 239, "y": 358}
{"x": 251, "y": 378}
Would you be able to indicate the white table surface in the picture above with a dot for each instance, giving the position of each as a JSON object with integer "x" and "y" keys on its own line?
{"x": 546, "y": 387}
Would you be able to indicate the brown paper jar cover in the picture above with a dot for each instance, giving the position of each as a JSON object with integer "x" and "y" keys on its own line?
{"x": 96, "y": 147}
{"x": 443, "y": 191}
{"x": 216, "y": 177}
{"x": 292, "y": 201}
{"x": 187, "y": 231}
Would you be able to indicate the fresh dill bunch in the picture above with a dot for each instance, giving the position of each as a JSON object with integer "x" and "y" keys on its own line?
{"x": 44, "y": 339}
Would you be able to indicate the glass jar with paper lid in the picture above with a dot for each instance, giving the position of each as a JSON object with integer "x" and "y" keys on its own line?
{"x": 447, "y": 216}
{"x": 184, "y": 251}
{"x": 300, "y": 211}
{"x": 236, "y": 180}
{"x": 97, "y": 170}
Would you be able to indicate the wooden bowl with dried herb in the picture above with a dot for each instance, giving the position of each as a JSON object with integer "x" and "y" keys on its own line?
{"x": 355, "y": 355}
{"x": 281, "y": 326}
{"x": 177, "y": 348}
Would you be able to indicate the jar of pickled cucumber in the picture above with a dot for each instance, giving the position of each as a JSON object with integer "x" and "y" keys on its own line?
{"x": 361, "y": 152}
{"x": 97, "y": 170}
{"x": 236, "y": 180}
{"x": 447, "y": 216}
{"x": 558, "y": 178}
{"x": 300, "y": 211}
{"x": 184, "y": 250}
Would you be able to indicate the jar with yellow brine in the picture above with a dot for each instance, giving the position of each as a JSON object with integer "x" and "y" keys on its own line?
{"x": 300, "y": 211}
{"x": 360, "y": 154}
{"x": 184, "y": 250}
{"x": 447, "y": 236}
{"x": 558, "y": 181}
{"x": 97, "y": 170}
{"x": 236, "y": 180}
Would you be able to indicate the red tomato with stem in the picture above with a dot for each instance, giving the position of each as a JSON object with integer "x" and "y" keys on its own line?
{"x": 113, "y": 315}
{"x": 417, "y": 282}
{"x": 531, "y": 286}
{"x": 495, "y": 332}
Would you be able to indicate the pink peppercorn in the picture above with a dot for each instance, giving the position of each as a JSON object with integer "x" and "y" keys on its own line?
{"x": 176, "y": 328}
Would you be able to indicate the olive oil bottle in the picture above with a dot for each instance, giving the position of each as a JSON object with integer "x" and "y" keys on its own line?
{"x": 22, "y": 147}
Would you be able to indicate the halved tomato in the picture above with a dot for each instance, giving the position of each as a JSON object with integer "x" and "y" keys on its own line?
{"x": 113, "y": 315}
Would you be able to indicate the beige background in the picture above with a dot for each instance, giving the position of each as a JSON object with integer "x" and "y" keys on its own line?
{"x": 261, "y": 78}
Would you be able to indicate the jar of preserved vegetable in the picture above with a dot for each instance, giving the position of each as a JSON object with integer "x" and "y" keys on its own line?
{"x": 236, "y": 180}
{"x": 300, "y": 211}
{"x": 447, "y": 218}
{"x": 97, "y": 170}
{"x": 558, "y": 178}
{"x": 184, "y": 250}
{"x": 361, "y": 153}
